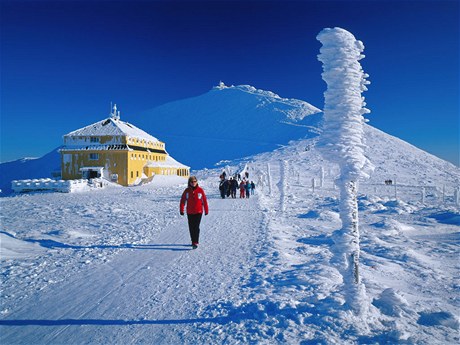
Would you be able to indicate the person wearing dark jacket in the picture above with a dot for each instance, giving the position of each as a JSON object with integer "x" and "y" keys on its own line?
{"x": 195, "y": 199}
{"x": 247, "y": 187}
{"x": 233, "y": 187}
{"x": 223, "y": 186}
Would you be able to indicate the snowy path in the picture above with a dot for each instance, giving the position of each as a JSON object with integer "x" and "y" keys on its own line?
{"x": 149, "y": 293}
{"x": 113, "y": 267}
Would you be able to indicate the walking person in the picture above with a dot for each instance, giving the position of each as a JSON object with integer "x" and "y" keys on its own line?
{"x": 242, "y": 189}
{"x": 233, "y": 187}
{"x": 253, "y": 186}
{"x": 195, "y": 199}
{"x": 223, "y": 186}
{"x": 229, "y": 187}
{"x": 248, "y": 189}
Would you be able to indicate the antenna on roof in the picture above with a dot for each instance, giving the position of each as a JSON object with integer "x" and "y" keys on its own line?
{"x": 115, "y": 114}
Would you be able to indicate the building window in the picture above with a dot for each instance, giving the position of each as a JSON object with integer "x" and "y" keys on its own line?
{"x": 94, "y": 139}
{"x": 94, "y": 156}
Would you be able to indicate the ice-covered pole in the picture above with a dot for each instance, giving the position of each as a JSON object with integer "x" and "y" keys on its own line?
{"x": 342, "y": 141}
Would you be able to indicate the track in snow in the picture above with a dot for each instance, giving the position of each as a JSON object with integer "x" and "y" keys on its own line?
{"x": 150, "y": 293}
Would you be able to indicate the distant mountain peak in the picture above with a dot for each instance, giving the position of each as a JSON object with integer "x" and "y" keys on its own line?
{"x": 300, "y": 110}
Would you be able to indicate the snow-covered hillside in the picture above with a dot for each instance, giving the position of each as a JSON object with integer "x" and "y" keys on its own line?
{"x": 113, "y": 266}
{"x": 229, "y": 122}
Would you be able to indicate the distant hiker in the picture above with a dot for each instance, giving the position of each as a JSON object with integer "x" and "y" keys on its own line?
{"x": 223, "y": 186}
{"x": 233, "y": 187}
{"x": 253, "y": 186}
{"x": 242, "y": 189}
{"x": 224, "y": 174}
{"x": 247, "y": 187}
{"x": 246, "y": 174}
{"x": 196, "y": 201}
{"x": 229, "y": 187}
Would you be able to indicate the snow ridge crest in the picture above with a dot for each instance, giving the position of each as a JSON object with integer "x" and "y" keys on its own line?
{"x": 300, "y": 109}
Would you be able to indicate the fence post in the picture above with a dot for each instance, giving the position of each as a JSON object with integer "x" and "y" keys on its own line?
{"x": 321, "y": 177}
{"x": 423, "y": 195}
{"x": 313, "y": 184}
{"x": 396, "y": 190}
{"x": 269, "y": 180}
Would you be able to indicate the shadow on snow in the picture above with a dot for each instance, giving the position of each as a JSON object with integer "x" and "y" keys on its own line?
{"x": 82, "y": 322}
{"x": 51, "y": 244}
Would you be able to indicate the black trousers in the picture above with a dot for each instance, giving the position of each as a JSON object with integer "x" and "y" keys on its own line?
{"x": 194, "y": 221}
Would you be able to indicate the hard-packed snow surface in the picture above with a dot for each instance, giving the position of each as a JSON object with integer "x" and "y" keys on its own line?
{"x": 114, "y": 266}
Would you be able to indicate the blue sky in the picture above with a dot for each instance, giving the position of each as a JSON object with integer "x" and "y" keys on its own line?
{"x": 62, "y": 62}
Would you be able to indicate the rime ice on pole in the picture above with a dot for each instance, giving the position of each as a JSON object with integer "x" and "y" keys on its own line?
{"x": 342, "y": 139}
{"x": 342, "y": 142}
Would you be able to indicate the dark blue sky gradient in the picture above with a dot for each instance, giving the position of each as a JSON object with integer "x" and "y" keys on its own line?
{"x": 62, "y": 63}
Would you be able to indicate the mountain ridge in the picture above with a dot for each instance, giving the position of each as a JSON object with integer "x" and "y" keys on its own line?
{"x": 204, "y": 130}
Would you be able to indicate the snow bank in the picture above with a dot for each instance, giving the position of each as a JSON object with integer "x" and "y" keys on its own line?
{"x": 46, "y": 184}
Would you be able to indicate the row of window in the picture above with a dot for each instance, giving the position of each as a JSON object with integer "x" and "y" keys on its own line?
{"x": 147, "y": 157}
{"x": 95, "y": 157}
{"x": 182, "y": 172}
{"x": 143, "y": 141}
{"x": 133, "y": 140}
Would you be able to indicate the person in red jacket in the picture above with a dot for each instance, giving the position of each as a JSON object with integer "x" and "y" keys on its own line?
{"x": 196, "y": 201}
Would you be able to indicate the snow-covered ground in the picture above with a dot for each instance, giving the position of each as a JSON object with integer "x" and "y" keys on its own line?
{"x": 113, "y": 266}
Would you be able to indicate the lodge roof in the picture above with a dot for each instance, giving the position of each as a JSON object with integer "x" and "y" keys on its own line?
{"x": 112, "y": 127}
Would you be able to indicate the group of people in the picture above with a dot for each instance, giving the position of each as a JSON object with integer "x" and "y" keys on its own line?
{"x": 228, "y": 188}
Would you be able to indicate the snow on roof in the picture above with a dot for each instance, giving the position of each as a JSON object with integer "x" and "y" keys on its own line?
{"x": 168, "y": 163}
{"x": 113, "y": 127}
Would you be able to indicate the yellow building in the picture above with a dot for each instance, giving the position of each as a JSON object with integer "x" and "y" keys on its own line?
{"x": 117, "y": 151}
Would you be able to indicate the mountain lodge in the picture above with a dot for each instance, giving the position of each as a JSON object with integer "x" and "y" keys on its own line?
{"x": 117, "y": 151}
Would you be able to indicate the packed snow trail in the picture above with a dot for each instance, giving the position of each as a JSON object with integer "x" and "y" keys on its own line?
{"x": 149, "y": 293}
